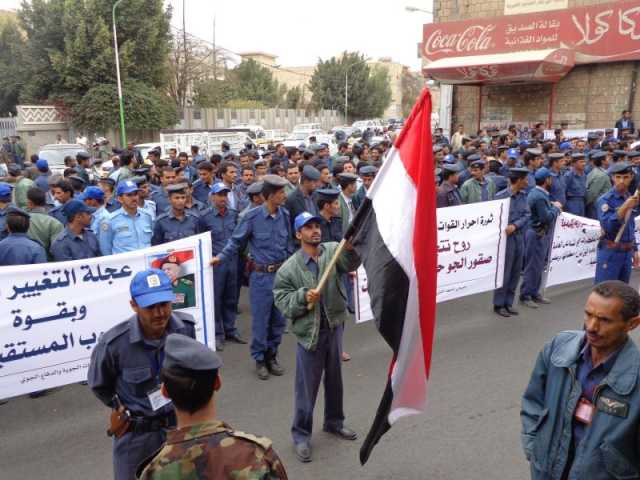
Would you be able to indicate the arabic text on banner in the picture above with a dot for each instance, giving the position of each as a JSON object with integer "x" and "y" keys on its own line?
{"x": 471, "y": 249}
{"x": 52, "y": 314}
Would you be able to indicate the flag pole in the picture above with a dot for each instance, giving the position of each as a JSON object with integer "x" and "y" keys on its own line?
{"x": 325, "y": 275}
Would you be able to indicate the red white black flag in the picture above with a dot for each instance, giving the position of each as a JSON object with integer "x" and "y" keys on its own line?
{"x": 395, "y": 234}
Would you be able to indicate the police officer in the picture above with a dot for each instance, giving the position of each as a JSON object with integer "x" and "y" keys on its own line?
{"x": 533, "y": 161}
{"x": 128, "y": 228}
{"x": 267, "y": 231}
{"x": 500, "y": 181}
{"x": 348, "y": 183}
{"x": 76, "y": 241}
{"x": 62, "y": 192}
{"x": 598, "y": 181}
{"x": 303, "y": 198}
{"x": 329, "y": 214}
{"x": 519, "y": 216}
{"x": 617, "y": 210}
{"x": 202, "y": 186}
{"x": 538, "y": 238}
{"x": 447, "y": 194}
{"x": 178, "y": 222}
{"x": 160, "y": 195}
{"x": 558, "y": 191}
{"x": 202, "y": 445}
{"x": 254, "y": 193}
{"x": 367, "y": 175}
{"x": 144, "y": 194}
{"x": 17, "y": 248}
{"x": 5, "y": 203}
{"x": 478, "y": 188}
{"x": 576, "y": 183}
{"x": 107, "y": 185}
{"x": 93, "y": 197}
{"x": 221, "y": 221}
{"x": 82, "y": 159}
{"x": 318, "y": 330}
{"x": 42, "y": 227}
{"x": 126, "y": 363}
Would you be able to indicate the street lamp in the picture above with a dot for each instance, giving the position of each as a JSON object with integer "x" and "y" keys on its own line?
{"x": 416, "y": 9}
{"x": 346, "y": 88}
{"x": 123, "y": 135}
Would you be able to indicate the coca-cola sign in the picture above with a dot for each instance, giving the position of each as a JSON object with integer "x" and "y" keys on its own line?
{"x": 600, "y": 33}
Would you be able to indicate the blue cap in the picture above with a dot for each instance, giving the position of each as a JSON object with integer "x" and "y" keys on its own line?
{"x": 73, "y": 207}
{"x": 5, "y": 189}
{"x": 42, "y": 165}
{"x": 596, "y": 154}
{"x": 125, "y": 187}
{"x": 449, "y": 159}
{"x": 542, "y": 174}
{"x": 150, "y": 287}
{"x": 620, "y": 167}
{"x": 303, "y": 219}
{"x": 219, "y": 187}
{"x": 565, "y": 145}
{"x": 512, "y": 153}
{"x": 93, "y": 193}
{"x": 311, "y": 173}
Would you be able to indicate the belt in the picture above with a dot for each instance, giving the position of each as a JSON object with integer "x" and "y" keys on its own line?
{"x": 625, "y": 247}
{"x": 273, "y": 268}
{"x": 151, "y": 424}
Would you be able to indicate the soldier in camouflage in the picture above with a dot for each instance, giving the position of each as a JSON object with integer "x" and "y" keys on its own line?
{"x": 203, "y": 447}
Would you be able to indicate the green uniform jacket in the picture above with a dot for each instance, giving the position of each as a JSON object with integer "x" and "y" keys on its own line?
{"x": 471, "y": 191}
{"x": 20, "y": 192}
{"x": 344, "y": 214}
{"x": 43, "y": 228}
{"x": 294, "y": 279}
{"x": 598, "y": 183}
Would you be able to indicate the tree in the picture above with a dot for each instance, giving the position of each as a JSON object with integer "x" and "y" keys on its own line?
{"x": 213, "y": 93}
{"x": 294, "y": 98}
{"x": 411, "y": 85}
{"x": 144, "y": 108}
{"x": 12, "y": 49}
{"x": 252, "y": 81}
{"x": 369, "y": 90}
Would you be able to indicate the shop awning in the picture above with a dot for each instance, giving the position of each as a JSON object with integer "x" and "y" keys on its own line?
{"x": 548, "y": 65}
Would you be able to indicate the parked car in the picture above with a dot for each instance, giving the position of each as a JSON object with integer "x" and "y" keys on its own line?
{"x": 373, "y": 124}
{"x": 307, "y": 126}
{"x": 55, "y": 153}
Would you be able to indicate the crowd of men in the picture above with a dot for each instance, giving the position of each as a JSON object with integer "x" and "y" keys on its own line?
{"x": 593, "y": 177}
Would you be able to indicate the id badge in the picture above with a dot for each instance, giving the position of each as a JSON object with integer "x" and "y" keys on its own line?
{"x": 157, "y": 400}
{"x": 584, "y": 411}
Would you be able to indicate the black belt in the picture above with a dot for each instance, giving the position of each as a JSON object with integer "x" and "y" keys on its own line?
{"x": 152, "y": 424}
{"x": 622, "y": 246}
{"x": 273, "y": 268}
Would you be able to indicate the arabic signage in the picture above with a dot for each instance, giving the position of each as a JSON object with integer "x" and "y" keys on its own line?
{"x": 471, "y": 247}
{"x": 51, "y": 315}
{"x": 513, "y": 7}
{"x": 595, "y": 34}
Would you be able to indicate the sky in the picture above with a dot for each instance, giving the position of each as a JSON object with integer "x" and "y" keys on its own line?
{"x": 300, "y": 32}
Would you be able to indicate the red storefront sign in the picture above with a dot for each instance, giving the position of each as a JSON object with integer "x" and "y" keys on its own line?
{"x": 600, "y": 33}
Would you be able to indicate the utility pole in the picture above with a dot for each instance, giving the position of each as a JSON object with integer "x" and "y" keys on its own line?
{"x": 123, "y": 134}
{"x": 184, "y": 48}
{"x": 215, "y": 58}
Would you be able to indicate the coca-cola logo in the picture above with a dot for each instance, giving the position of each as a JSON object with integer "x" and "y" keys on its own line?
{"x": 473, "y": 39}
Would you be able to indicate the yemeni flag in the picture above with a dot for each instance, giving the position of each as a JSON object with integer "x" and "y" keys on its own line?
{"x": 395, "y": 234}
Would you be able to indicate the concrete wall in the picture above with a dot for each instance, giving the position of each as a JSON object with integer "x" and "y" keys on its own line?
{"x": 590, "y": 96}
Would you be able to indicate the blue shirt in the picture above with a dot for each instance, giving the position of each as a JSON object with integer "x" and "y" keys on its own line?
{"x": 112, "y": 204}
{"x": 168, "y": 227}
{"x": 519, "y": 212}
{"x": 268, "y": 236}
{"x": 69, "y": 246}
{"x": 42, "y": 182}
{"x": 220, "y": 226}
{"x": 558, "y": 189}
{"x": 606, "y": 206}
{"x": 100, "y": 215}
{"x": 543, "y": 213}
{"x": 3, "y": 221}
{"x": 162, "y": 200}
{"x": 576, "y": 185}
{"x": 126, "y": 363}
{"x": 56, "y": 212}
{"x": 19, "y": 249}
{"x": 124, "y": 233}
{"x": 201, "y": 191}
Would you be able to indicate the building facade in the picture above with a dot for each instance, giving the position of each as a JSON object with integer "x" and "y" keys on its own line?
{"x": 556, "y": 61}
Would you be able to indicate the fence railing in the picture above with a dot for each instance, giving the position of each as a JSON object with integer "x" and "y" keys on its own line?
{"x": 7, "y": 126}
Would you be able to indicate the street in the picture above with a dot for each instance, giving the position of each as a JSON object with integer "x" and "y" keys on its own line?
{"x": 481, "y": 365}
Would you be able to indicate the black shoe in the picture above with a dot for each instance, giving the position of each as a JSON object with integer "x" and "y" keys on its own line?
{"x": 219, "y": 345}
{"x": 274, "y": 367}
{"x": 542, "y": 300}
{"x": 511, "y": 310}
{"x": 261, "y": 371}
{"x": 303, "y": 452}
{"x": 501, "y": 311}
{"x": 344, "y": 433}
{"x": 236, "y": 338}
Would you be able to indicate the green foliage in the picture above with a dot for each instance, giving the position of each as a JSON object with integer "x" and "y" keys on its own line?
{"x": 294, "y": 98}
{"x": 412, "y": 85}
{"x": 238, "y": 103}
{"x": 144, "y": 107}
{"x": 369, "y": 90}
{"x": 12, "y": 49}
{"x": 213, "y": 93}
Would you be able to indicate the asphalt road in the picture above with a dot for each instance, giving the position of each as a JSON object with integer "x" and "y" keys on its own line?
{"x": 470, "y": 430}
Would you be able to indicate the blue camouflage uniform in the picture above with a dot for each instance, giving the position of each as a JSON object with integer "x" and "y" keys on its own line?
{"x": 126, "y": 363}
{"x": 225, "y": 276}
{"x": 537, "y": 241}
{"x": 270, "y": 243}
{"x": 614, "y": 260}
{"x": 168, "y": 227}
{"x": 19, "y": 249}
{"x": 123, "y": 233}
{"x": 576, "y": 188}
{"x": 69, "y": 246}
{"x": 519, "y": 215}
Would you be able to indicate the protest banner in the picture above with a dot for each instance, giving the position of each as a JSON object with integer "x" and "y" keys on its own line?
{"x": 471, "y": 249}
{"x": 52, "y": 314}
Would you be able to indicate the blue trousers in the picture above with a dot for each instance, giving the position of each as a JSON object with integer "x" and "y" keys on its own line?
{"x": 575, "y": 205}
{"x": 592, "y": 211}
{"x": 513, "y": 258}
{"x": 268, "y": 323}
{"x": 225, "y": 292}
{"x": 537, "y": 251}
{"x": 310, "y": 366}
{"x": 131, "y": 450}
{"x": 348, "y": 287}
{"x": 613, "y": 265}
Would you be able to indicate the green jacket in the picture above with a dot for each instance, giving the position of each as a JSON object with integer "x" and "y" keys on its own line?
{"x": 43, "y": 228}
{"x": 294, "y": 279}
{"x": 20, "y": 191}
{"x": 598, "y": 183}
{"x": 471, "y": 191}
